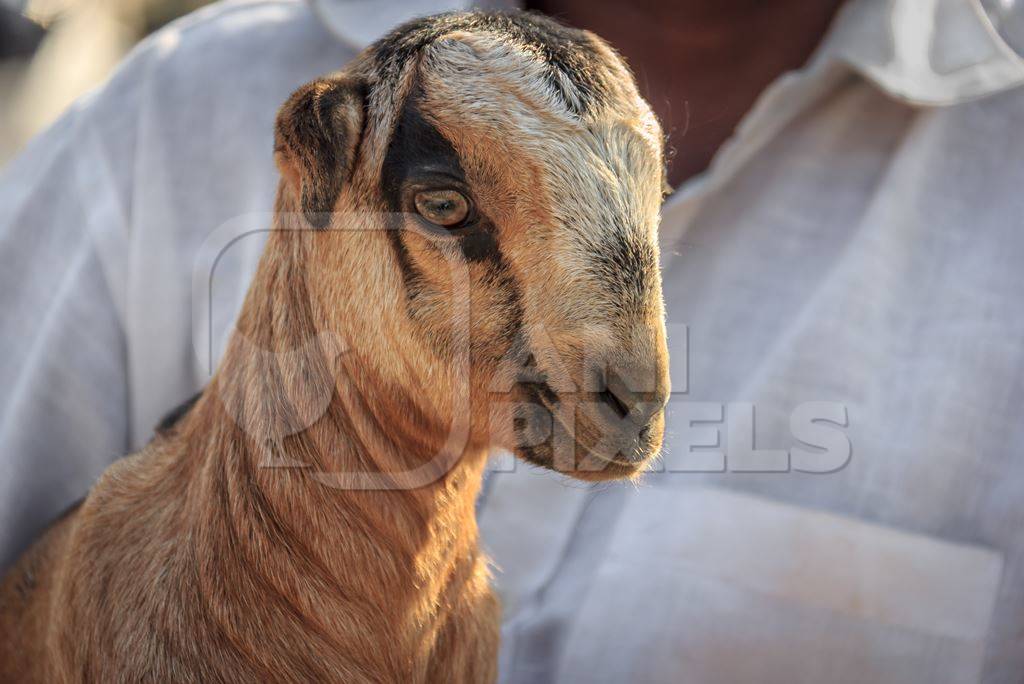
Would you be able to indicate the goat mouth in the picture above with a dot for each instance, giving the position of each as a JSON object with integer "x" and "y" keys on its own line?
{"x": 620, "y": 448}
{"x": 631, "y": 450}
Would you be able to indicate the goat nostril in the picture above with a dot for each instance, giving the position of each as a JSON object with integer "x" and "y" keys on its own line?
{"x": 626, "y": 401}
{"x": 639, "y": 405}
{"x": 609, "y": 397}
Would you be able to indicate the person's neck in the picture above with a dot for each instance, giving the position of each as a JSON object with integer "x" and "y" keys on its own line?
{"x": 271, "y": 442}
{"x": 701, "y": 64}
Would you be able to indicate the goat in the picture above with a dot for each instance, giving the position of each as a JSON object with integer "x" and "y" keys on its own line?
{"x": 499, "y": 158}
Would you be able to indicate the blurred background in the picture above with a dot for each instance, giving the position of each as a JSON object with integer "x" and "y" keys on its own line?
{"x": 53, "y": 51}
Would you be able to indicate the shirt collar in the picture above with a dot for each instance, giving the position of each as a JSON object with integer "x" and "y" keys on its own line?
{"x": 929, "y": 52}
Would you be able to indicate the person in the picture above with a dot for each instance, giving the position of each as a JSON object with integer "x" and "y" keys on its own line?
{"x": 843, "y": 237}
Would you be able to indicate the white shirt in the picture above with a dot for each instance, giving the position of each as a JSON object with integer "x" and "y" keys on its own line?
{"x": 856, "y": 244}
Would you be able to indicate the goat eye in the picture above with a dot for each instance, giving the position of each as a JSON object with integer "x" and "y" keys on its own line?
{"x": 442, "y": 207}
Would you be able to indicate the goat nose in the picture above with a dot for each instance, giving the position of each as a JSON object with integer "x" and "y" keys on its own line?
{"x": 636, "y": 393}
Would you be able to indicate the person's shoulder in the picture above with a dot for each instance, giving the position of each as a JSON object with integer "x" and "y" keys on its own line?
{"x": 232, "y": 21}
{"x": 232, "y": 32}
{"x": 225, "y": 57}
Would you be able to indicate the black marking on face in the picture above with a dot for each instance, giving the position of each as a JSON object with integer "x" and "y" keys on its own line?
{"x": 627, "y": 267}
{"x": 418, "y": 155}
{"x": 512, "y": 333}
{"x": 417, "y": 150}
{"x": 479, "y": 246}
{"x": 414, "y": 143}
{"x": 412, "y": 277}
{"x": 568, "y": 53}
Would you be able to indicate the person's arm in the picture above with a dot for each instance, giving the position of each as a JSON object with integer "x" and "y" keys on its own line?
{"x": 103, "y": 220}
{"x": 63, "y": 412}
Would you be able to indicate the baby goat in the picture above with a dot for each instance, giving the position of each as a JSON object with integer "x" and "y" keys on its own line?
{"x": 465, "y": 258}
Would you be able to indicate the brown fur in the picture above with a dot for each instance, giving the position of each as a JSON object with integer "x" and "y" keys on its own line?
{"x": 311, "y": 518}
{"x": 189, "y": 561}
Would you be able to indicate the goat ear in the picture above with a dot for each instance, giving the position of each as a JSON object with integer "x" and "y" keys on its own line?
{"x": 315, "y": 140}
